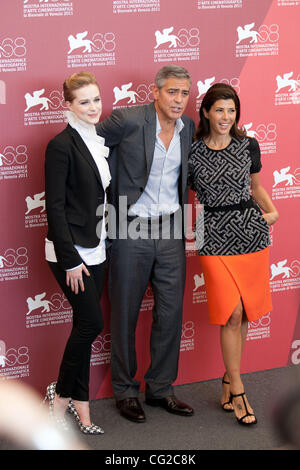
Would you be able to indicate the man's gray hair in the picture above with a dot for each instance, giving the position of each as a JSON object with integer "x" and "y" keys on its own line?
{"x": 171, "y": 71}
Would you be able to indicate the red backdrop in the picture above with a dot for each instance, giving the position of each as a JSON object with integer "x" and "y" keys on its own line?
{"x": 251, "y": 44}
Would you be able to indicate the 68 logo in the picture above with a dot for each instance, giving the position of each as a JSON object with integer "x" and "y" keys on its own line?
{"x": 100, "y": 42}
{"x": 262, "y": 322}
{"x": 264, "y": 34}
{"x": 14, "y": 155}
{"x": 102, "y": 344}
{"x": 13, "y": 47}
{"x": 268, "y": 33}
{"x": 188, "y": 330}
{"x": 14, "y": 257}
{"x": 263, "y": 132}
{"x": 142, "y": 94}
{"x": 183, "y": 38}
{"x": 53, "y": 100}
{"x": 13, "y": 357}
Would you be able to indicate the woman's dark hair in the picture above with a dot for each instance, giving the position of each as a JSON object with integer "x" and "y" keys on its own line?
{"x": 219, "y": 91}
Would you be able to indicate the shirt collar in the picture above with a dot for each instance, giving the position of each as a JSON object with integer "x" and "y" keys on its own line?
{"x": 179, "y": 125}
{"x": 87, "y": 131}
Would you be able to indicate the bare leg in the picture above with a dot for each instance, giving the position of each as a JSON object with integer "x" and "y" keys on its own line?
{"x": 225, "y": 400}
{"x": 244, "y": 329}
{"x": 233, "y": 336}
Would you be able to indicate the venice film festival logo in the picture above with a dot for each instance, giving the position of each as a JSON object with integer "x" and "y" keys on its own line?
{"x": 285, "y": 276}
{"x": 265, "y": 134}
{"x": 43, "y": 311}
{"x": 35, "y": 215}
{"x": 287, "y": 89}
{"x": 204, "y": 84}
{"x": 260, "y": 329}
{"x": 187, "y": 342}
{"x": 135, "y": 6}
{"x": 91, "y": 51}
{"x": 263, "y": 41}
{"x": 13, "y": 162}
{"x": 101, "y": 350}
{"x": 47, "y": 8}
{"x": 14, "y": 362}
{"x": 125, "y": 96}
{"x": 43, "y": 108}
{"x": 14, "y": 264}
{"x": 216, "y": 4}
{"x": 12, "y": 54}
{"x": 148, "y": 300}
{"x": 286, "y": 183}
{"x": 288, "y": 3}
{"x": 173, "y": 46}
{"x": 199, "y": 292}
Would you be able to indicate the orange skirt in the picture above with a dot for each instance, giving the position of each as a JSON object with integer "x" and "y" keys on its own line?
{"x": 233, "y": 277}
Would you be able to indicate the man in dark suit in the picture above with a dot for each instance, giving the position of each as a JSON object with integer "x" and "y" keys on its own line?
{"x": 149, "y": 157}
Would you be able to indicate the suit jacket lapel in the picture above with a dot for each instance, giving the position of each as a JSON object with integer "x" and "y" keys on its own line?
{"x": 84, "y": 151}
{"x": 184, "y": 159}
{"x": 149, "y": 135}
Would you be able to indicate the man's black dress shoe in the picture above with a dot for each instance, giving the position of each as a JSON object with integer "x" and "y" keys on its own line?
{"x": 172, "y": 405}
{"x": 131, "y": 409}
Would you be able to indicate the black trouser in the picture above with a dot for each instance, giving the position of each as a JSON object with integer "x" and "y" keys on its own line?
{"x": 74, "y": 373}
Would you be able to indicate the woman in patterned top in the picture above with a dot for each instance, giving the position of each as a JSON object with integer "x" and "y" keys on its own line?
{"x": 234, "y": 242}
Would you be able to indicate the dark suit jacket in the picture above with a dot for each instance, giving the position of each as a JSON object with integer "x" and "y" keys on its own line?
{"x": 73, "y": 193}
{"x": 130, "y": 133}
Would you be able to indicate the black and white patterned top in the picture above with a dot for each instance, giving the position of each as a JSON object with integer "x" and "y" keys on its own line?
{"x": 221, "y": 178}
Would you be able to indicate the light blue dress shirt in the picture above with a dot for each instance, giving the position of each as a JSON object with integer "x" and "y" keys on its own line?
{"x": 160, "y": 195}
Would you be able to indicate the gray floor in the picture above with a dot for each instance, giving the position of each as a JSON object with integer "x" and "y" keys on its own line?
{"x": 209, "y": 429}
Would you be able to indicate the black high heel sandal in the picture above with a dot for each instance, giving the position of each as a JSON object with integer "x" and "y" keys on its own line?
{"x": 228, "y": 410}
{"x": 241, "y": 420}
